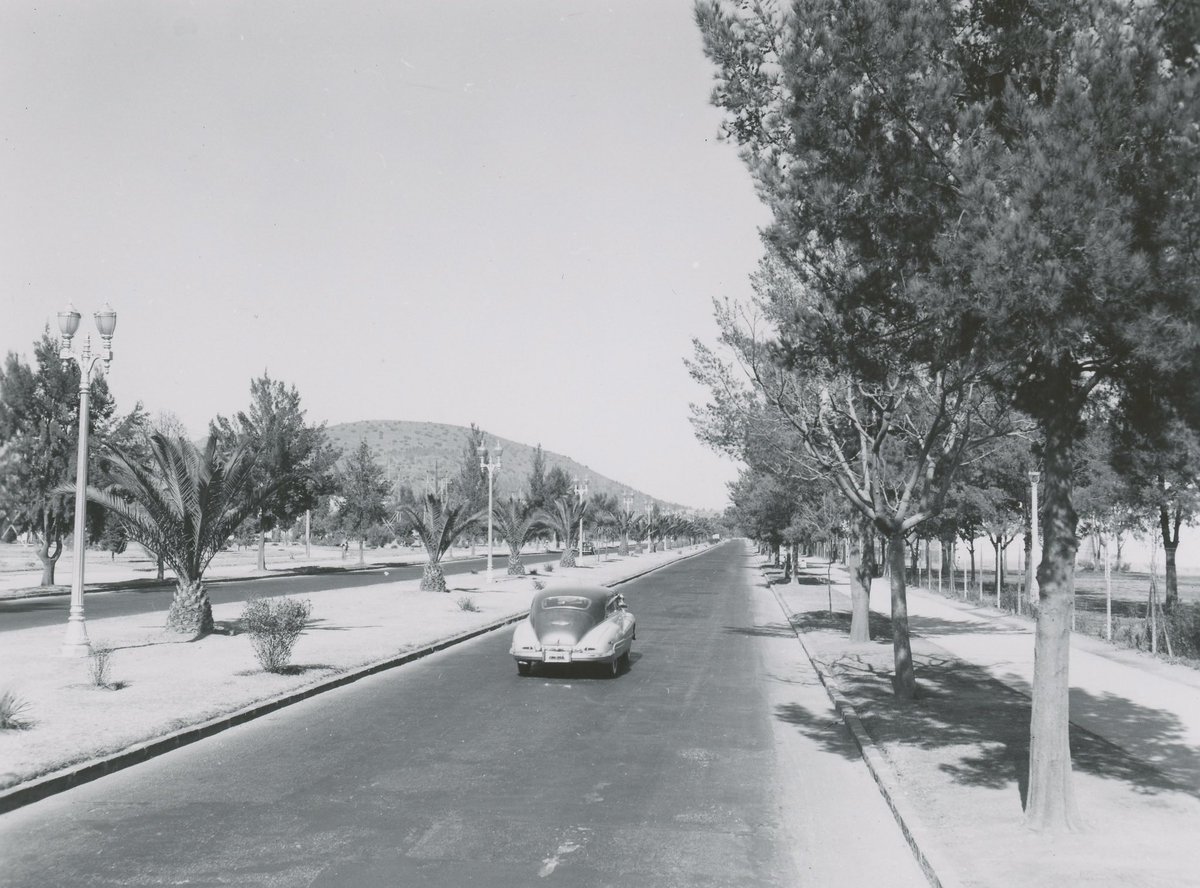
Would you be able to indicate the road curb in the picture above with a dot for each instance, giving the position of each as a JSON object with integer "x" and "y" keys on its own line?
{"x": 927, "y": 851}
{"x": 75, "y": 775}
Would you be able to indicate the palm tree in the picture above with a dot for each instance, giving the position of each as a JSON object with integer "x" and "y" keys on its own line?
{"x": 563, "y": 518}
{"x": 625, "y": 522}
{"x": 184, "y": 504}
{"x": 516, "y": 522}
{"x": 438, "y": 523}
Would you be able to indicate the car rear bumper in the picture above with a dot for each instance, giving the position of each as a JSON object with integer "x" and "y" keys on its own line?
{"x": 564, "y": 656}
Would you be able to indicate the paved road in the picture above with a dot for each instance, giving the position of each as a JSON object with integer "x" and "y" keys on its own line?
{"x": 47, "y": 610}
{"x": 454, "y": 771}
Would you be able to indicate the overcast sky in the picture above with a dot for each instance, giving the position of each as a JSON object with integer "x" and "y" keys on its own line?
{"x": 509, "y": 213}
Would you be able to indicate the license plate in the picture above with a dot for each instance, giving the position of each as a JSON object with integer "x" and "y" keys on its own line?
{"x": 558, "y": 656}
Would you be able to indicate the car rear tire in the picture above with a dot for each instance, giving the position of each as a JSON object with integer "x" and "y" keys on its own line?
{"x": 624, "y": 662}
{"x": 524, "y": 668}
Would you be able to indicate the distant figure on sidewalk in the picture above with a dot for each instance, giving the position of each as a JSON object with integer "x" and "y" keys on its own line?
{"x": 345, "y": 548}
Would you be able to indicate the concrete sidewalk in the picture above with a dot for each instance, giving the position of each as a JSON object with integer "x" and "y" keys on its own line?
{"x": 956, "y": 760}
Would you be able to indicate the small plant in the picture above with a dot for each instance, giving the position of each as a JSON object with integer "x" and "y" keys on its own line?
{"x": 549, "y": 568}
{"x": 12, "y": 712}
{"x": 533, "y": 571}
{"x": 539, "y": 585}
{"x": 274, "y": 624}
{"x": 99, "y": 664}
{"x": 465, "y": 603}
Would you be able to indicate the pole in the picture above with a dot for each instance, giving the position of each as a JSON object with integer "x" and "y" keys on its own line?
{"x": 307, "y": 550}
{"x": 490, "y": 477}
{"x": 76, "y": 643}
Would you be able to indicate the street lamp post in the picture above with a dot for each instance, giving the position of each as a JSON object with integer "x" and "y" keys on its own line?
{"x": 75, "y": 643}
{"x": 1035, "y": 549}
{"x": 649, "y": 535}
{"x": 581, "y": 491}
{"x": 491, "y": 466}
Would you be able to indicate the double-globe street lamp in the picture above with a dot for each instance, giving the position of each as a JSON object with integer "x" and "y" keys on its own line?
{"x": 76, "y": 643}
{"x": 581, "y": 491}
{"x": 491, "y": 466}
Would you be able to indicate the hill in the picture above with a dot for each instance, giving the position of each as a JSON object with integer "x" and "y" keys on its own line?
{"x": 414, "y": 452}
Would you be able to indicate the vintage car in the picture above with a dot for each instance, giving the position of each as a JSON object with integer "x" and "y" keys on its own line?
{"x": 587, "y": 624}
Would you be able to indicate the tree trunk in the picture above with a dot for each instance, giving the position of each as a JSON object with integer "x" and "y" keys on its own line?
{"x": 623, "y": 549}
{"x": 1030, "y": 567}
{"x": 160, "y": 568}
{"x": 361, "y": 556}
{"x": 568, "y": 557}
{"x": 433, "y": 578}
{"x": 862, "y": 571}
{"x": 262, "y": 546}
{"x": 999, "y": 599}
{"x": 516, "y": 567}
{"x": 48, "y": 560}
{"x": 1170, "y": 545}
{"x": 1051, "y": 803}
{"x": 191, "y": 611}
{"x": 905, "y": 680}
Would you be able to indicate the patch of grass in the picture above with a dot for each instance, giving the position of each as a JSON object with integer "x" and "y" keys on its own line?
{"x": 465, "y": 603}
{"x": 12, "y": 712}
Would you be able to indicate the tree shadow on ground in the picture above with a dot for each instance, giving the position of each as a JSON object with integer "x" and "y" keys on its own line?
{"x": 979, "y": 727}
{"x": 292, "y": 669}
{"x": 770, "y": 630}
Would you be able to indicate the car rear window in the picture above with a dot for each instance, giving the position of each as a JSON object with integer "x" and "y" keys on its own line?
{"x": 576, "y": 601}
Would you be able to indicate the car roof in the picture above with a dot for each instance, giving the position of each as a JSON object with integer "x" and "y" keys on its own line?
{"x": 594, "y": 593}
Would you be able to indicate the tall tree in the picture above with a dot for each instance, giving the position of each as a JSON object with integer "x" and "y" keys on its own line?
{"x": 516, "y": 522}
{"x": 437, "y": 522}
{"x": 536, "y": 486}
{"x": 563, "y": 519}
{"x": 1073, "y": 268}
{"x": 294, "y": 459}
{"x": 470, "y": 484}
{"x": 39, "y": 434}
{"x": 364, "y": 489}
{"x": 1011, "y": 185}
{"x": 184, "y": 503}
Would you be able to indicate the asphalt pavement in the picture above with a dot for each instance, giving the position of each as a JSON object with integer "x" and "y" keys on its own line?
{"x": 455, "y": 771}
{"x": 46, "y": 610}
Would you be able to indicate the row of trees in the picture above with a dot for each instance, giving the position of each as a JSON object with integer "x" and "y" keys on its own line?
{"x": 258, "y": 472}
{"x": 984, "y": 256}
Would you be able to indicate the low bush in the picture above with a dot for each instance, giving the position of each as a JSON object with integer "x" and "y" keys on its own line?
{"x": 549, "y": 568}
{"x": 12, "y": 712}
{"x": 539, "y": 585}
{"x": 274, "y": 624}
{"x": 99, "y": 664}
{"x": 465, "y": 603}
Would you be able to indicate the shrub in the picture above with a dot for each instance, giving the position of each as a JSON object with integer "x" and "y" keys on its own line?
{"x": 12, "y": 712}
{"x": 539, "y": 585}
{"x": 99, "y": 663}
{"x": 274, "y": 624}
{"x": 549, "y": 568}
{"x": 465, "y": 603}
{"x": 533, "y": 571}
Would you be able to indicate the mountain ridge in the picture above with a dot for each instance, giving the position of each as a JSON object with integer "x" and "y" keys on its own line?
{"x": 414, "y": 452}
